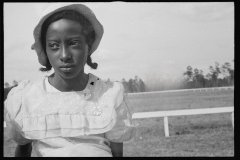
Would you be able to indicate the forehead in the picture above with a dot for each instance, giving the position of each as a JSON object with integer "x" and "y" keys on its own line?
{"x": 64, "y": 26}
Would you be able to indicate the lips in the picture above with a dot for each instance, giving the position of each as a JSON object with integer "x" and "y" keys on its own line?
{"x": 66, "y": 67}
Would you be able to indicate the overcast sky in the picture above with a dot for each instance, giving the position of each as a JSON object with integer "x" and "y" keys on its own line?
{"x": 141, "y": 39}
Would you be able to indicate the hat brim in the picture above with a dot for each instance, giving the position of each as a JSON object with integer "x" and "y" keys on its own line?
{"x": 82, "y": 9}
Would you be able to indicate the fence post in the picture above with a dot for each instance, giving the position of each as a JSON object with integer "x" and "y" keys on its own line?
{"x": 166, "y": 129}
{"x": 233, "y": 119}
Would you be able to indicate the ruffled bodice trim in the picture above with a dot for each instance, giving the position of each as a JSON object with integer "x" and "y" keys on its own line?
{"x": 38, "y": 114}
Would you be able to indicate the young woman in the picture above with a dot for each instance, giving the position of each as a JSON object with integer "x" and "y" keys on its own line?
{"x": 69, "y": 113}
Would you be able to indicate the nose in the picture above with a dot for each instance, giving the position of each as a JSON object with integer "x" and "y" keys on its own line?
{"x": 65, "y": 54}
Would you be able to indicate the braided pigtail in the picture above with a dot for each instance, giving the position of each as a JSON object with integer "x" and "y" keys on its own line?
{"x": 90, "y": 63}
{"x": 47, "y": 68}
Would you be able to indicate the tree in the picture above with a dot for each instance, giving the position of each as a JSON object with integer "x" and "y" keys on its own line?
{"x": 136, "y": 84}
{"x": 198, "y": 78}
{"x": 6, "y": 85}
{"x": 195, "y": 77}
{"x": 125, "y": 85}
{"x": 214, "y": 73}
{"x": 15, "y": 83}
{"x": 108, "y": 80}
{"x": 132, "y": 86}
{"x": 208, "y": 80}
{"x": 142, "y": 86}
{"x": 201, "y": 78}
{"x": 228, "y": 73}
{"x": 189, "y": 74}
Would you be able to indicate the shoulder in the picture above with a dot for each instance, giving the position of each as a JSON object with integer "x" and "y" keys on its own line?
{"x": 15, "y": 96}
{"x": 111, "y": 87}
{"x": 23, "y": 86}
{"x": 115, "y": 90}
{"x": 112, "y": 90}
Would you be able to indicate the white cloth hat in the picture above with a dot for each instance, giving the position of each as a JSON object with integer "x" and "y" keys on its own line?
{"x": 82, "y": 9}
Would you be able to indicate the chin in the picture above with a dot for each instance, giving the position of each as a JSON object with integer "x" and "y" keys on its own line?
{"x": 68, "y": 75}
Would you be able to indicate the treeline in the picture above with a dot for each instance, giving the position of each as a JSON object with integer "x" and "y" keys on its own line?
{"x": 218, "y": 76}
{"x": 133, "y": 85}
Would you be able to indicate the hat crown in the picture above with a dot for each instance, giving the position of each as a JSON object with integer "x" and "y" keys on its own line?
{"x": 55, "y": 6}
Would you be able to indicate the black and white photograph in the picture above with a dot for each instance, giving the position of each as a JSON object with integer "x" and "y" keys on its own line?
{"x": 118, "y": 79}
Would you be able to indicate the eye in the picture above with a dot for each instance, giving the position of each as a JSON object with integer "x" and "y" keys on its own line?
{"x": 53, "y": 46}
{"x": 75, "y": 43}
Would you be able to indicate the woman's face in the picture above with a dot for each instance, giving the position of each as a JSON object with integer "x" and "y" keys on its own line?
{"x": 66, "y": 48}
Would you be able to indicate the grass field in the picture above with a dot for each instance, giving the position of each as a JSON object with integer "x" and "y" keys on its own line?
{"x": 196, "y": 135}
{"x": 181, "y": 100}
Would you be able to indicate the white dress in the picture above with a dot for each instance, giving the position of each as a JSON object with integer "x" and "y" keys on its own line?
{"x": 69, "y": 124}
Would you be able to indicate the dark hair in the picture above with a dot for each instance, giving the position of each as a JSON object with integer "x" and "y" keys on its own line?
{"x": 87, "y": 28}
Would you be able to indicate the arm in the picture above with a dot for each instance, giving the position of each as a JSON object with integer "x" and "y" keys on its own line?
{"x": 117, "y": 149}
{"x": 23, "y": 150}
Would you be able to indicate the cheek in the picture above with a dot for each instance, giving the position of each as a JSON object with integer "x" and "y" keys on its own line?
{"x": 85, "y": 58}
{"x": 86, "y": 54}
{"x": 50, "y": 58}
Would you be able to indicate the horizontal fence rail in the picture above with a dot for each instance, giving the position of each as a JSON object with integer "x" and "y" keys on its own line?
{"x": 183, "y": 90}
{"x": 183, "y": 112}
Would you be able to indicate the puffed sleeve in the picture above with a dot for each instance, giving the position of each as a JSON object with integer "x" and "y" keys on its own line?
{"x": 123, "y": 129}
{"x": 12, "y": 106}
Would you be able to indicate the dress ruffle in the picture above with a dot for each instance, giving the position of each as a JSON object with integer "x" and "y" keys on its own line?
{"x": 36, "y": 114}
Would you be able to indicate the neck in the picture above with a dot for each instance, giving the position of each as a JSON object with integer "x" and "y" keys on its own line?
{"x": 65, "y": 85}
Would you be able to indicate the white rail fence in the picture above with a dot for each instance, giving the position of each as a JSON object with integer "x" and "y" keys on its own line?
{"x": 183, "y": 90}
{"x": 166, "y": 114}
